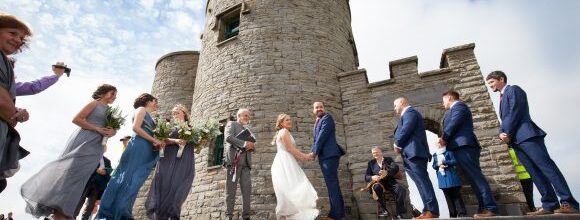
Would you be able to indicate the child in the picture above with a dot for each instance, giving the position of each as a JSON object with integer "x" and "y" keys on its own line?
{"x": 444, "y": 164}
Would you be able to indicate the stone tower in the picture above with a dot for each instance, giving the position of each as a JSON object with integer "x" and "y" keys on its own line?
{"x": 279, "y": 57}
{"x": 175, "y": 79}
{"x": 285, "y": 56}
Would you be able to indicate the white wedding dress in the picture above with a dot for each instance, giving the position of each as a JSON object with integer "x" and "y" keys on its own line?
{"x": 295, "y": 195}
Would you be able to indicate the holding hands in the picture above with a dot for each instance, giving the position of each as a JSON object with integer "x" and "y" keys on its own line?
{"x": 310, "y": 157}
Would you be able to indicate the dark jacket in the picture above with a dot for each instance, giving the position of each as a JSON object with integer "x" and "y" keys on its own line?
{"x": 101, "y": 181}
{"x": 410, "y": 135}
{"x": 514, "y": 112}
{"x": 388, "y": 164}
{"x": 325, "y": 145}
{"x": 458, "y": 127}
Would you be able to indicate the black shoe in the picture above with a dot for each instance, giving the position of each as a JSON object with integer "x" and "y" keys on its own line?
{"x": 384, "y": 213}
{"x": 398, "y": 217}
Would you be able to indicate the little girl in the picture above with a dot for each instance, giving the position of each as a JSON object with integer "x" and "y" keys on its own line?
{"x": 448, "y": 179}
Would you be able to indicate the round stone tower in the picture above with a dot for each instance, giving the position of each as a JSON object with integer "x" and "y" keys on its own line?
{"x": 175, "y": 79}
{"x": 271, "y": 57}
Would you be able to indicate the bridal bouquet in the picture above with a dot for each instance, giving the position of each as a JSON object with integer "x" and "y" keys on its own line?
{"x": 163, "y": 127}
{"x": 115, "y": 120}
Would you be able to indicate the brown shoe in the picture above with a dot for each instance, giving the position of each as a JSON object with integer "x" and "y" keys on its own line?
{"x": 541, "y": 211}
{"x": 427, "y": 215}
{"x": 566, "y": 209}
{"x": 486, "y": 213}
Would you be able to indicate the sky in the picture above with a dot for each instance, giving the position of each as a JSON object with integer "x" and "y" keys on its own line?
{"x": 118, "y": 42}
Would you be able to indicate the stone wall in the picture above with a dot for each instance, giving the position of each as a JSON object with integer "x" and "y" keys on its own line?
{"x": 174, "y": 79}
{"x": 287, "y": 55}
{"x": 370, "y": 120}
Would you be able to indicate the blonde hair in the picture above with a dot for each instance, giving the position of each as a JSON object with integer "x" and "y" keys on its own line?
{"x": 281, "y": 118}
{"x": 182, "y": 108}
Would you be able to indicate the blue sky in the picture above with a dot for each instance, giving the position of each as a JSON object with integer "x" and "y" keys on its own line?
{"x": 119, "y": 42}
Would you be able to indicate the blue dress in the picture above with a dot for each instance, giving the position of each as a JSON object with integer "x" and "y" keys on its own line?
{"x": 134, "y": 167}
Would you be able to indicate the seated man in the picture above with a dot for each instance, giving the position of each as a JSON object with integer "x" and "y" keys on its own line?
{"x": 382, "y": 170}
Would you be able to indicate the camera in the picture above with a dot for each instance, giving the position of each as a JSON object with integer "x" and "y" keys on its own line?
{"x": 66, "y": 69}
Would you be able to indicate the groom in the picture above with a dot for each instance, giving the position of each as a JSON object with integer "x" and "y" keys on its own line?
{"x": 329, "y": 153}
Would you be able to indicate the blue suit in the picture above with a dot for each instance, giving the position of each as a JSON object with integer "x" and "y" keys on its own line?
{"x": 410, "y": 136}
{"x": 329, "y": 153}
{"x": 527, "y": 139}
{"x": 460, "y": 139}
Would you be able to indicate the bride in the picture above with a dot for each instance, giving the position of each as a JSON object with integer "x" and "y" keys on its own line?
{"x": 295, "y": 195}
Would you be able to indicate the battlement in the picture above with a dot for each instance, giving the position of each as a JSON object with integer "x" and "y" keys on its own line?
{"x": 369, "y": 118}
{"x": 407, "y": 67}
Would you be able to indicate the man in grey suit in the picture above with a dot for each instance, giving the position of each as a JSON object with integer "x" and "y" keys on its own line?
{"x": 238, "y": 158}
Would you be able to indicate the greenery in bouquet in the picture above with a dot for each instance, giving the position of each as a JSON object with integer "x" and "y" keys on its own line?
{"x": 115, "y": 118}
{"x": 163, "y": 127}
{"x": 185, "y": 131}
{"x": 204, "y": 132}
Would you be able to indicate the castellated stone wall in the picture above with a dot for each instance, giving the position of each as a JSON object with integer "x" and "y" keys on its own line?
{"x": 370, "y": 120}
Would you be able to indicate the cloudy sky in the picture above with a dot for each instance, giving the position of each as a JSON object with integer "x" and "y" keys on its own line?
{"x": 118, "y": 42}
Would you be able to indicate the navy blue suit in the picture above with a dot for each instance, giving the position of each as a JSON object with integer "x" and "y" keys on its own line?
{"x": 460, "y": 139}
{"x": 527, "y": 139}
{"x": 410, "y": 136}
{"x": 329, "y": 153}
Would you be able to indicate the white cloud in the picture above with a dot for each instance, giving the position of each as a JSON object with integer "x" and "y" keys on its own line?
{"x": 103, "y": 42}
{"x": 119, "y": 42}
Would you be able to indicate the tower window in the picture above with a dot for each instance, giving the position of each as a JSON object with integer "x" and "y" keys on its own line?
{"x": 232, "y": 28}
{"x": 229, "y": 23}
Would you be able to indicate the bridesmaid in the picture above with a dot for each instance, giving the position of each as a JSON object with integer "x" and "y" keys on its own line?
{"x": 135, "y": 164}
{"x": 57, "y": 188}
{"x": 173, "y": 175}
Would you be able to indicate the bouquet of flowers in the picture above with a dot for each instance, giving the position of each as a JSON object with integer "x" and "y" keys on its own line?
{"x": 205, "y": 132}
{"x": 163, "y": 127}
{"x": 115, "y": 120}
{"x": 185, "y": 133}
